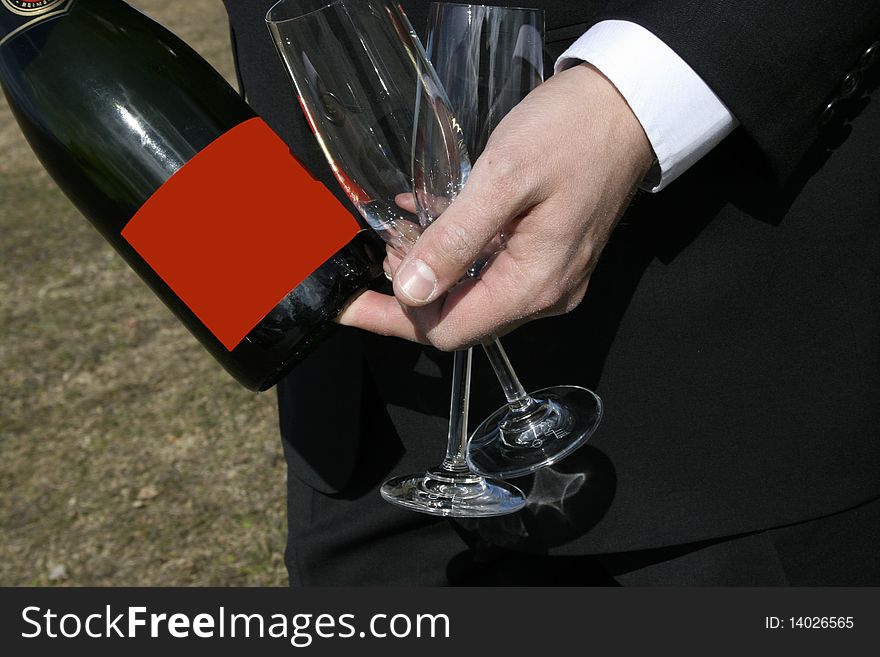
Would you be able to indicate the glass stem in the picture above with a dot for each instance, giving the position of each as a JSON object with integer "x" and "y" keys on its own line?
{"x": 518, "y": 400}
{"x": 458, "y": 413}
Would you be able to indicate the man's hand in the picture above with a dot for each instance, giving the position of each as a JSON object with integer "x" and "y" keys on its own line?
{"x": 557, "y": 173}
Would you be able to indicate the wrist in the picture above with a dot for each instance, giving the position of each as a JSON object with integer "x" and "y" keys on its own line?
{"x": 620, "y": 128}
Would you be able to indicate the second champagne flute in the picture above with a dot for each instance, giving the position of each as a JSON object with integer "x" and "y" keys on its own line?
{"x": 488, "y": 59}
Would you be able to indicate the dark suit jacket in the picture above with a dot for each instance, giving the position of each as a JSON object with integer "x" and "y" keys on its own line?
{"x": 732, "y": 326}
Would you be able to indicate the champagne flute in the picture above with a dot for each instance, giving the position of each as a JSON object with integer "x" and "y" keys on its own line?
{"x": 378, "y": 111}
{"x": 489, "y": 59}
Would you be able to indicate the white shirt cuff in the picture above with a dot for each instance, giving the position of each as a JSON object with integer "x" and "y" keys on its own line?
{"x": 681, "y": 115}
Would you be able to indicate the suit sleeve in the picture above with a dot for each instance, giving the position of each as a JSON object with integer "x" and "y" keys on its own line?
{"x": 775, "y": 64}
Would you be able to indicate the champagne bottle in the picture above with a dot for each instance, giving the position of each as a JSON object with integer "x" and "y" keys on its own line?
{"x": 191, "y": 188}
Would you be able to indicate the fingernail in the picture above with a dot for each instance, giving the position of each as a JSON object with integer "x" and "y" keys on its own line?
{"x": 417, "y": 281}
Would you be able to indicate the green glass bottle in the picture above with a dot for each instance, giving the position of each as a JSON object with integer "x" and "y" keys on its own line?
{"x": 193, "y": 190}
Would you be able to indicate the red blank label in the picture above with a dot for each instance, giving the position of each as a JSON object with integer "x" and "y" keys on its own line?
{"x": 237, "y": 228}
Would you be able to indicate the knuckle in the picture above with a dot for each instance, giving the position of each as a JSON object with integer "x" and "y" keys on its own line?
{"x": 571, "y": 303}
{"x": 502, "y": 167}
{"x": 442, "y": 341}
{"x": 451, "y": 242}
{"x": 548, "y": 295}
{"x": 448, "y": 336}
{"x": 570, "y": 299}
{"x": 511, "y": 169}
{"x": 502, "y": 172}
{"x": 513, "y": 186}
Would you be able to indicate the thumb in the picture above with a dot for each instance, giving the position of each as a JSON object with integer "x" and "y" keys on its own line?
{"x": 454, "y": 241}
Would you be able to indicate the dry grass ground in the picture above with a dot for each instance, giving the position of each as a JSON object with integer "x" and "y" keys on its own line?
{"x": 127, "y": 456}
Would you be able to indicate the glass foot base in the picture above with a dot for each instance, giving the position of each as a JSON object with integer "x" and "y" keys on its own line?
{"x": 508, "y": 445}
{"x": 440, "y": 492}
